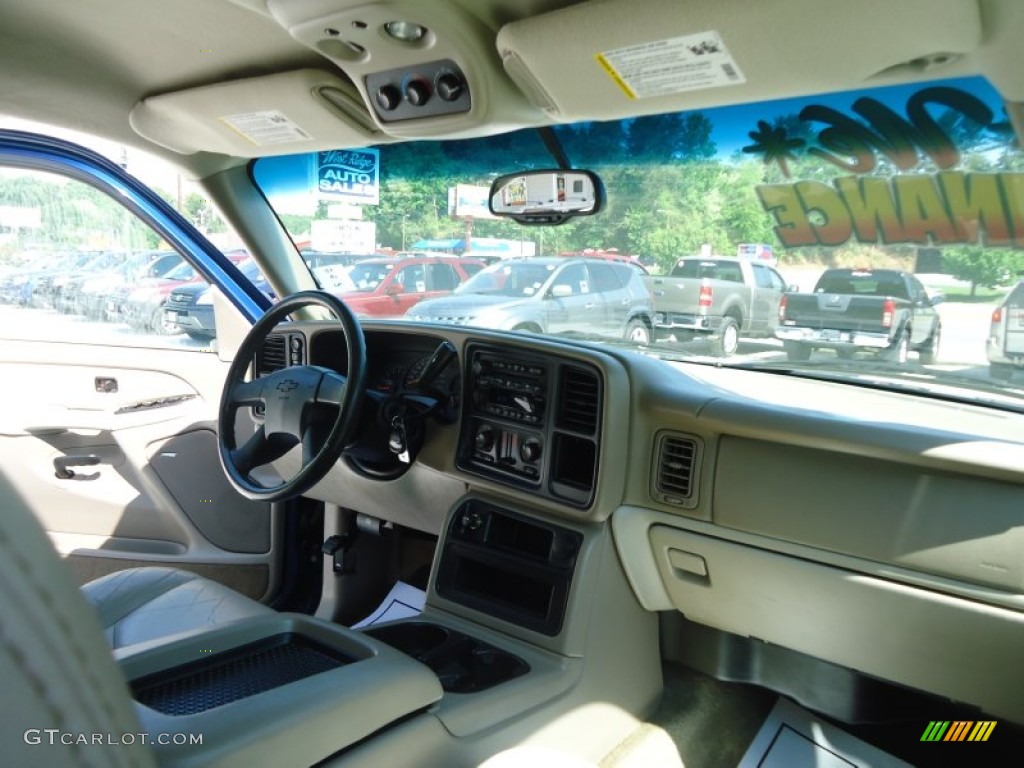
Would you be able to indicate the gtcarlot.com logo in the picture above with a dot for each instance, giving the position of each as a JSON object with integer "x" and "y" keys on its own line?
{"x": 54, "y": 736}
{"x": 958, "y": 730}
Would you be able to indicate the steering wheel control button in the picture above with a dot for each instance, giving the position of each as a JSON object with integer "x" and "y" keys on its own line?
{"x": 408, "y": 94}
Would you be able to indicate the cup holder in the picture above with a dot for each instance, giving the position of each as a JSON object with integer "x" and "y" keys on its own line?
{"x": 462, "y": 663}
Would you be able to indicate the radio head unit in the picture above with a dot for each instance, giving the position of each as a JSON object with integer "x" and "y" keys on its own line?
{"x": 532, "y": 421}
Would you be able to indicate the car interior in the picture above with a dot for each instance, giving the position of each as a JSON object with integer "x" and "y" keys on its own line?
{"x": 624, "y": 559}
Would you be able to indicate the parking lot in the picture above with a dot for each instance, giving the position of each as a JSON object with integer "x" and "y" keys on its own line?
{"x": 35, "y": 324}
{"x": 964, "y": 330}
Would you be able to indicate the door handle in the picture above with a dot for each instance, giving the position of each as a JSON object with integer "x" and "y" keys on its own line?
{"x": 589, "y": 305}
{"x": 62, "y": 464}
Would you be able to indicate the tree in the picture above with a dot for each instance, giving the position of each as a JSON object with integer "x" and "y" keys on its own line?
{"x": 200, "y": 211}
{"x": 987, "y": 267}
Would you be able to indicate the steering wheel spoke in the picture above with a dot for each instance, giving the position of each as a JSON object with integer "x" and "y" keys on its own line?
{"x": 246, "y": 393}
{"x": 261, "y": 449}
{"x": 333, "y": 387}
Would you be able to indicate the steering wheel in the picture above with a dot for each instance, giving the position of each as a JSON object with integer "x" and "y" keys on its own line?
{"x": 305, "y": 405}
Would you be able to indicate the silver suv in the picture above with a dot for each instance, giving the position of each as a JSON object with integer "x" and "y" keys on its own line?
{"x": 583, "y": 297}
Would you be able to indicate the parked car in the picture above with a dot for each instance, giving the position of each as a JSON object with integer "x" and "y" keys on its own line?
{"x": 189, "y": 308}
{"x": 331, "y": 269}
{"x": 143, "y": 309}
{"x": 387, "y": 287}
{"x": 158, "y": 266}
{"x": 717, "y": 298}
{"x": 553, "y": 295}
{"x": 1005, "y": 344}
{"x": 884, "y": 311}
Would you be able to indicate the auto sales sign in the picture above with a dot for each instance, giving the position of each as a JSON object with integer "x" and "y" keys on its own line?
{"x": 350, "y": 175}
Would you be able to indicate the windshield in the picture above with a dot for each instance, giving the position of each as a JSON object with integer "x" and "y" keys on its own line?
{"x": 870, "y": 232}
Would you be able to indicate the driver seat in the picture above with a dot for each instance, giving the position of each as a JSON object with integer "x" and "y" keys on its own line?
{"x": 142, "y": 604}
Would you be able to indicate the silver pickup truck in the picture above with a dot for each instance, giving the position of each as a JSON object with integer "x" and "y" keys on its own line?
{"x": 718, "y": 298}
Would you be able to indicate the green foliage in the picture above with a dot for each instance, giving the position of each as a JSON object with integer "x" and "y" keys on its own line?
{"x": 987, "y": 267}
{"x": 202, "y": 215}
{"x": 73, "y": 215}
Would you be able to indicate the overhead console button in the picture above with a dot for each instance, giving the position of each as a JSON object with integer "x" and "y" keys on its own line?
{"x": 407, "y": 93}
{"x": 388, "y": 97}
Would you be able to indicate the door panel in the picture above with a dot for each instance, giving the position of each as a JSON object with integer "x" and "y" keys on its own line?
{"x": 158, "y": 494}
{"x": 134, "y": 409}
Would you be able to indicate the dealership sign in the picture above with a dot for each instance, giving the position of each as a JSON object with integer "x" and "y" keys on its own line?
{"x": 351, "y": 175}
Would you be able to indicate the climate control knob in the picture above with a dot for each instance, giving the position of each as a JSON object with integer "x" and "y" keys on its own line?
{"x": 484, "y": 440}
{"x": 529, "y": 451}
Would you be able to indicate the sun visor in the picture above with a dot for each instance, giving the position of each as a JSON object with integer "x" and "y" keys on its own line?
{"x": 291, "y": 112}
{"x": 614, "y": 58}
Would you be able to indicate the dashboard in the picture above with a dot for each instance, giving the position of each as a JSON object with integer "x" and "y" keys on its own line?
{"x": 816, "y": 516}
{"x": 528, "y": 421}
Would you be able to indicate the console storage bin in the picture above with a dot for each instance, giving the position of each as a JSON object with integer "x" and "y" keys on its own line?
{"x": 283, "y": 690}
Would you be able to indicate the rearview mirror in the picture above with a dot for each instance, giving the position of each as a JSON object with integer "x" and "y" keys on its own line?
{"x": 561, "y": 290}
{"x": 546, "y": 197}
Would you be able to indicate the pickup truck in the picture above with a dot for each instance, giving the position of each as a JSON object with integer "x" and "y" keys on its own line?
{"x": 884, "y": 311}
{"x": 718, "y": 298}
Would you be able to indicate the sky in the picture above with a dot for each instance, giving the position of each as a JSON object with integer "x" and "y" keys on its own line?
{"x": 149, "y": 169}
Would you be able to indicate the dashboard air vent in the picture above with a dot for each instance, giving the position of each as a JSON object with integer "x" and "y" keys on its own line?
{"x": 675, "y": 473}
{"x": 579, "y": 402}
{"x": 274, "y": 355}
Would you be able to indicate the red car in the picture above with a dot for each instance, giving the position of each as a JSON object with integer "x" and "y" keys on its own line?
{"x": 143, "y": 308}
{"x": 388, "y": 287}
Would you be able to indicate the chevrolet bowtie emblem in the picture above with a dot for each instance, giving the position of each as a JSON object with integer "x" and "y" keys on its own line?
{"x": 287, "y": 385}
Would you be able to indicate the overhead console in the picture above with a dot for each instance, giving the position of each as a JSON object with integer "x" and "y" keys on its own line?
{"x": 420, "y": 67}
{"x": 533, "y": 422}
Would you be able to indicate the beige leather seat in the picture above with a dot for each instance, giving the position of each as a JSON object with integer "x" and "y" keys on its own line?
{"x": 60, "y": 681}
{"x": 141, "y": 604}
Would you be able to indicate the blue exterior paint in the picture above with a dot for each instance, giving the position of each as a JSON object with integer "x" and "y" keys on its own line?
{"x": 28, "y": 150}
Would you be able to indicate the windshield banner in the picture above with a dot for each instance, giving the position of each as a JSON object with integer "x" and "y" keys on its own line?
{"x": 882, "y": 203}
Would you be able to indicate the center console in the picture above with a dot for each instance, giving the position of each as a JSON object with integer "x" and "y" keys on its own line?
{"x": 509, "y": 566}
{"x": 284, "y": 689}
{"x": 532, "y": 421}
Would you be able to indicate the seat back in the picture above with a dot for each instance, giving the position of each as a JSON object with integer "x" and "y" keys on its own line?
{"x": 64, "y": 700}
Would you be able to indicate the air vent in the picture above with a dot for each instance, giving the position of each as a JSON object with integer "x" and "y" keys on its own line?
{"x": 579, "y": 403}
{"x": 675, "y": 474}
{"x": 274, "y": 355}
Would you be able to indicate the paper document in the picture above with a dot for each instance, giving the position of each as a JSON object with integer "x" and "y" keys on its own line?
{"x": 792, "y": 737}
{"x": 402, "y": 602}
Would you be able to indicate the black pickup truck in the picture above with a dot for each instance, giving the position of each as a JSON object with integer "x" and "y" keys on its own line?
{"x": 885, "y": 311}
